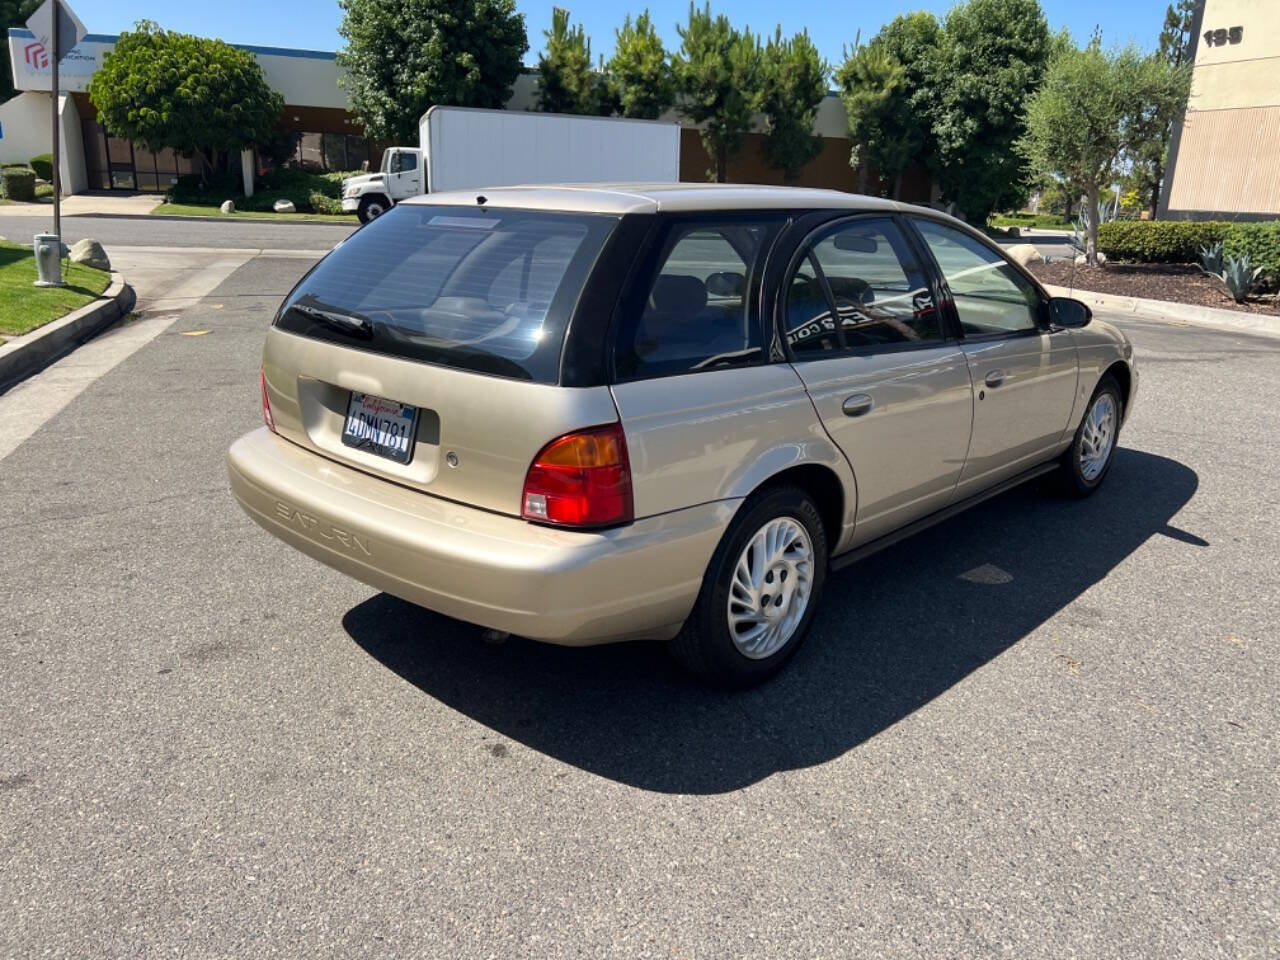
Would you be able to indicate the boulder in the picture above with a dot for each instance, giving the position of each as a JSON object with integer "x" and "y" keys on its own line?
{"x": 284, "y": 206}
{"x": 1081, "y": 259}
{"x": 90, "y": 253}
{"x": 1024, "y": 254}
{"x": 228, "y": 206}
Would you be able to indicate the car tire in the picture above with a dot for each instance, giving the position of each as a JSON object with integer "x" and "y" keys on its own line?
{"x": 371, "y": 208}
{"x": 1084, "y": 465}
{"x": 739, "y": 633}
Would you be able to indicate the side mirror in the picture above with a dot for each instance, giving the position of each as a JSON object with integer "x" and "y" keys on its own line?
{"x": 1069, "y": 312}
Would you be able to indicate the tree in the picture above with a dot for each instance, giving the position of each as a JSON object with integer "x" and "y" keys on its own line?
{"x": 13, "y": 13}
{"x": 1082, "y": 122}
{"x": 717, "y": 73}
{"x": 793, "y": 84}
{"x": 871, "y": 83}
{"x": 887, "y": 93}
{"x": 991, "y": 56}
{"x": 1152, "y": 150}
{"x": 197, "y": 96}
{"x": 639, "y": 73}
{"x": 404, "y": 56}
{"x": 566, "y": 82}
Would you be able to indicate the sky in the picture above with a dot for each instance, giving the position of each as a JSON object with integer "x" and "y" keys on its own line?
{"x": 313, "y": 24}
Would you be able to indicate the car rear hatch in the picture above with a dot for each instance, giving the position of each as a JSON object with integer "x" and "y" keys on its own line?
{"x": 426, "y": 348}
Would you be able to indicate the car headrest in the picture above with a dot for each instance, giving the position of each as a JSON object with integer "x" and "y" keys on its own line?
{"x": 673, "y": 293}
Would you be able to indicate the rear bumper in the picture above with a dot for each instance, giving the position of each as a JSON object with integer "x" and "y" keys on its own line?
{"x": 497, "y": 571}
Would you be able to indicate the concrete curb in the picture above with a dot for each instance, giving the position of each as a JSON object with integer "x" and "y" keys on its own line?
{"x": 22, "y": 356}
{"x": 1258, "y": 324}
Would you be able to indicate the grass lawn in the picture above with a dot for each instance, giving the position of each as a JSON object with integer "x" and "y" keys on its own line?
{"x": 1045, "y": 221}
{"x": 23, "y": 306}
{"x": 192, "y": 210}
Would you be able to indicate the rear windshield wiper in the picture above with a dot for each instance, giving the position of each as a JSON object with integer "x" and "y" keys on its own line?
{"x": 353, "y": 323}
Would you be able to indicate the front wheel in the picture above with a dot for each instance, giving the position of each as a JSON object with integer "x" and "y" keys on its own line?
{"x": 1086, "y": 462}
{"x": 759, "y": 592}
{"x": 371, "y": 208}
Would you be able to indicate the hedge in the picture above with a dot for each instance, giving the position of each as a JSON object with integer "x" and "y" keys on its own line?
{"x": 1261, "y": 241}
{"x": 43, "y": 166}
{"x": 1180, "y": 241}
{"x": 1159, "y": 241}
{"x": 18, "y": 183}
{"x": 309, "y": 191}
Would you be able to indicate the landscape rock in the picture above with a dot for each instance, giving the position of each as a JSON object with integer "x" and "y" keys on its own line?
{"x": 228, "y": 206}
{"x": 91, "y": 254}
{"x": 284, "y": 206}
{"x": 1081, "y": 259}
{"x": 1024, "y": 254}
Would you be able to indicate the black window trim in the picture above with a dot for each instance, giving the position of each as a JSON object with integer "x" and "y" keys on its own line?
{"x": 1043, "y": 324}
{"x": 635, "y": 288}
{"x": 804, "y": 247}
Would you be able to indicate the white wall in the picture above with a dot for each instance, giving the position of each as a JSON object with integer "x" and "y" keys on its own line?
{"x": 71, "y": 168}
{"x": 25, "y": 127}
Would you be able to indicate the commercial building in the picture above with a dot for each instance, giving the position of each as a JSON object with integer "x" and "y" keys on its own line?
{"x": 325, "y": 135}
{"x": 1224, "y": 159}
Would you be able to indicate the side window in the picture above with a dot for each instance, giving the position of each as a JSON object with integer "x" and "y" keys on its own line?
{"x": 879, "y": 290}
{"x": 696, "y": 313}
{"x": 989, "y": 294}
{"x": 404, "y": 162}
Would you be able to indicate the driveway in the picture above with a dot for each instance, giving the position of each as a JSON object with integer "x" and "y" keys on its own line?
{"x": 1042, "y": 729}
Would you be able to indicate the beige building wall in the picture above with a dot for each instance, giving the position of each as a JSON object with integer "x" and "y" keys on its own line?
{"x": 1224, "y": 161}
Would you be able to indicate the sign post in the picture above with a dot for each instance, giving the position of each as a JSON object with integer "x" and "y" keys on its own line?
{"x": 60, "y": 31}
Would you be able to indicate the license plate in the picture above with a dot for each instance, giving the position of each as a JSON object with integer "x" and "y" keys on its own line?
{"x": 378, "y": 426}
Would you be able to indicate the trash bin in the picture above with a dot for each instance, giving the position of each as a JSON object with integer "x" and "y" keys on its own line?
{"x": 48, "y": 251}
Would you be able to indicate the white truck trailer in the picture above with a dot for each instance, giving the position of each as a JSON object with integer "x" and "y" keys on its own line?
{"x": 459, "y": 147}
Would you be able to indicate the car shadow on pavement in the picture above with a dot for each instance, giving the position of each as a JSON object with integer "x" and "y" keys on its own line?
{"x": 894, "y": 631}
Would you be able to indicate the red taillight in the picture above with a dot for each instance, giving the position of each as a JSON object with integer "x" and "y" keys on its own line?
{"x": 582, "y": 479}
{"x": 267, "y": 418}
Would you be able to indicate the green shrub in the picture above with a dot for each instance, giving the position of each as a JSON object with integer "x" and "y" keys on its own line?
{"x": 43, "y": 166}
{"x": 322, "y": 203}
{"x": 1261, "y": 243}
{"x": 302, "y": 187}
{"x": 1181, "y": 241}
{"x": 1159, "y": 241}
{"x": 18, "y": 183}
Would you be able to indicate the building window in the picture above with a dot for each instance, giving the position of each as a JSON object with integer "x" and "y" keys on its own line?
{"x": 316, "y": 151}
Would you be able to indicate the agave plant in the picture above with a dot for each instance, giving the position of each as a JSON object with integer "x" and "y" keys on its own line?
{"x": 1211, "y": 258}
{"x": 1239, "y": 277}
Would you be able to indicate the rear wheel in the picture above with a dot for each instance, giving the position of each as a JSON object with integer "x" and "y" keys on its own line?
{"x": 371, "y": 208}
{"x": 1087, "y": 461}
{"x": 759, "y": 593}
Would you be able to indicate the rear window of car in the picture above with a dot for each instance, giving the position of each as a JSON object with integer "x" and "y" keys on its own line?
{"x": 489, "y": 290}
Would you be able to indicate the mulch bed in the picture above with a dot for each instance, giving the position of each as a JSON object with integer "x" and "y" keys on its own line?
{"x": 1176, "y": 282}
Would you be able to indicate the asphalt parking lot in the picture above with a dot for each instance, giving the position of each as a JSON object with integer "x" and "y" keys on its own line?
{"x": 1043, "y": 729}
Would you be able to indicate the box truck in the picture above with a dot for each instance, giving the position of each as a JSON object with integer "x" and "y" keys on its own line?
{"x": 460, "y": 148}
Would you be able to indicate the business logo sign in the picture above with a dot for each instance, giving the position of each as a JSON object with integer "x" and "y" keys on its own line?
{"x": 35, "y": 55}
{"x": 32, "y": 62}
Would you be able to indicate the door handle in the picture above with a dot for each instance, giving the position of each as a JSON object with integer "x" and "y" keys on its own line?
{"x": 995, "y": 378}
{"x": 857, "y": 405}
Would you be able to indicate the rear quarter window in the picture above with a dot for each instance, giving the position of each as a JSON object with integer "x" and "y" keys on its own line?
{"x": 486, "y": 290}
{"x": 693, "y": 308}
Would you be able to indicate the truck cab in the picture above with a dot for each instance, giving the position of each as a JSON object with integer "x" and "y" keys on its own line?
{"x": 400, "y": 176}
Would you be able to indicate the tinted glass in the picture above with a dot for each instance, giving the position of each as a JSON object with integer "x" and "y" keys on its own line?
{"x": 989, "y": 293}
{"x": 485, "y": 290}
{"x": 696, "y": 312}
{"x": 881, "y": 294}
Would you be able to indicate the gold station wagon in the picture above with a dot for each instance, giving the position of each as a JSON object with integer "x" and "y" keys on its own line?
{"x": 591, "y": 413}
